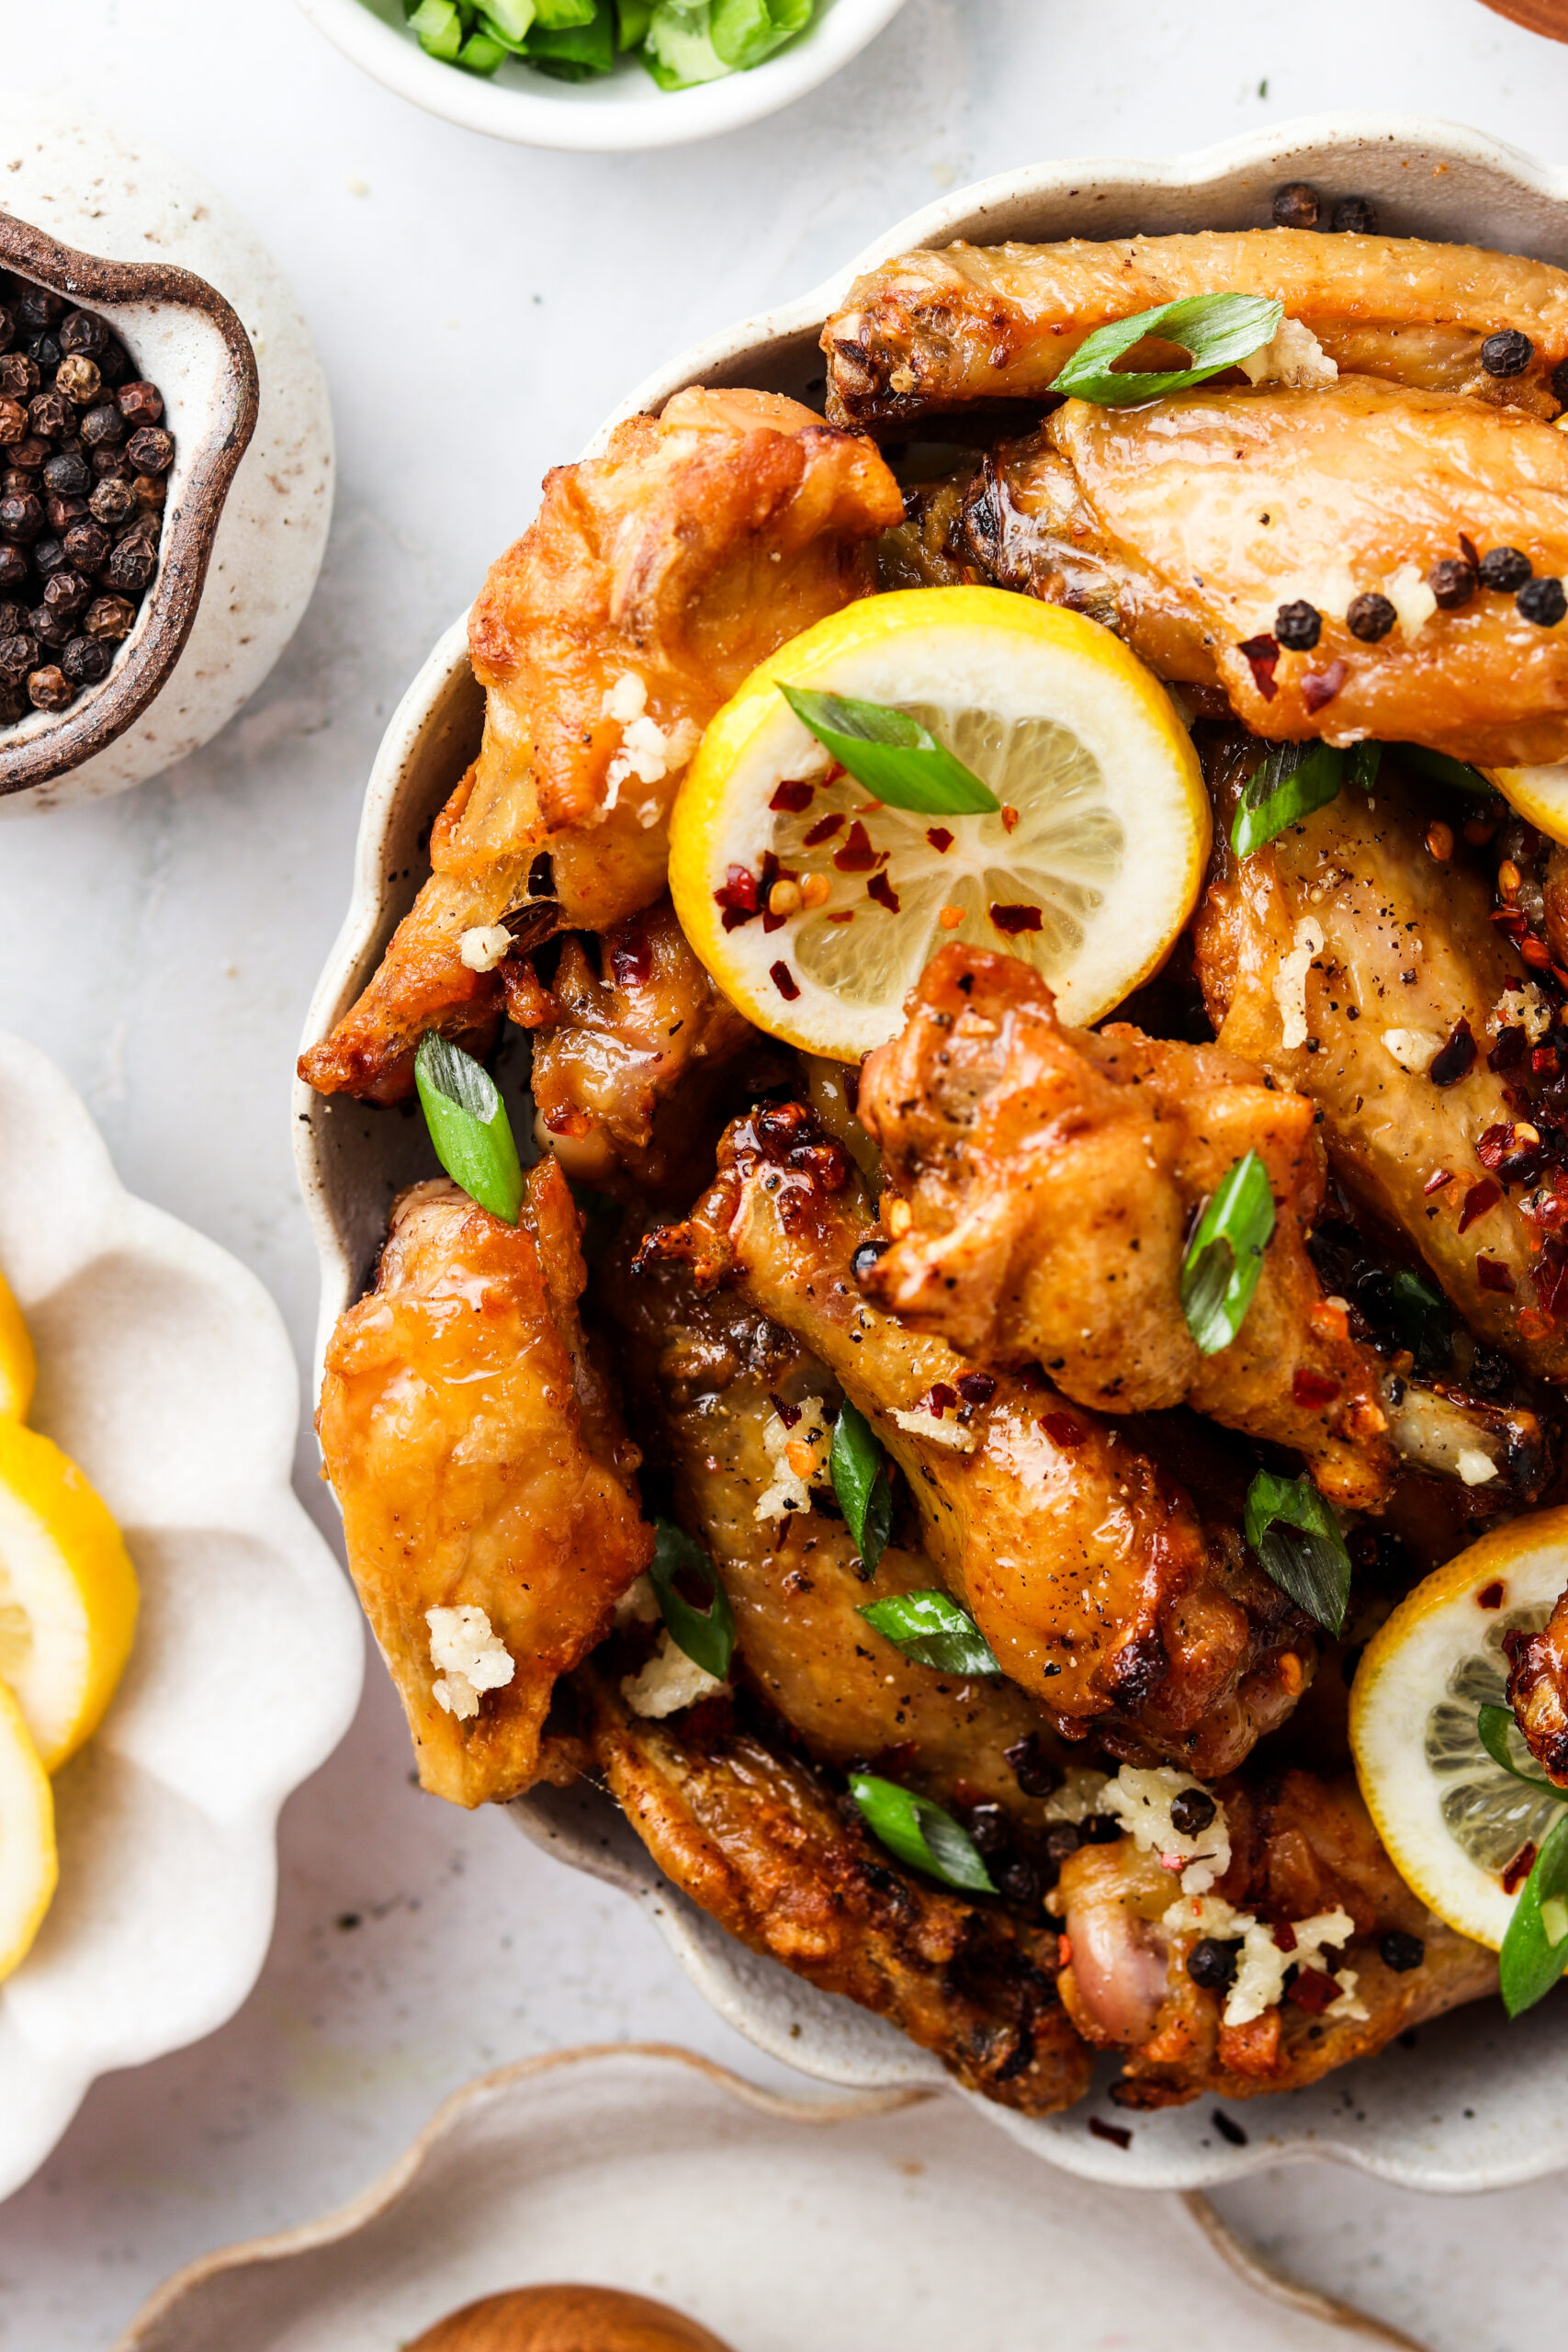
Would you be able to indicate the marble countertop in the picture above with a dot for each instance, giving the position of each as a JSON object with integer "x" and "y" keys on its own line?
{"x": 477, "y": 309}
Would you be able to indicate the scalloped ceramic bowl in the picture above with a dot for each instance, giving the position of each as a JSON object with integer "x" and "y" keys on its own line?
{"x": 165, "y": 1371}
{"x": 1474, "y": 2104}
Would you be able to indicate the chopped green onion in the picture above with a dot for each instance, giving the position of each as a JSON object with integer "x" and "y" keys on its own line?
{"x": 1290, "y": 783}
{"x": 1438, "y": 768}
{"x": 1362, "y": 762}
{"x": 508, "y": 20}
{"x": 1497, "y": 1728}
{"x": 439, "y": 28}
{"x": 745, "y": 32}
{"x": 578, "y": 50}
{"x": 862, "y": 1484}
{"x": 633, "y": 18}
{"x": 1225, "y": 1257}
{"x": 933, "y": 1630}
{"x": 679, "y": 51}
{"x": 893, "y": 755}
{"x": 1214, "y": 330}
{"x": 1423, "y": 1322}
{"x": 562, "y": 16}
{"x": 1534, "y": 1950}
{"x": 1297, "y": 1538}
{"x": 481, "y": 53}
{"x": 469, "y": 1125}
{"x": 920, "y": 1833}
{"x": 708, "y": 1636}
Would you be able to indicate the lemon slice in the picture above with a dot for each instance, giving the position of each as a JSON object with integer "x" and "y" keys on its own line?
{"x": 1540, "y": 795}
{"x": 1452, "y": 1819}
{"x": 1089, "y": 871}
{"x": 67, "y": 1595}
{"x": 28, "y": 1865}
{"x": 18, "y": 1367}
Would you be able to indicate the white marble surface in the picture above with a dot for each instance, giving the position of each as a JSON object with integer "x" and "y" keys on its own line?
{"x": 478, "y": 307}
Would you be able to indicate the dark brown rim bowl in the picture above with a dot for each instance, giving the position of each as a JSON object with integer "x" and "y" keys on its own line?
{"x": 211, "y": 395}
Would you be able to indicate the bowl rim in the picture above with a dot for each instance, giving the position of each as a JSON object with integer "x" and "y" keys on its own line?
{"x": 94, "y": 721}
{"x": 1441, "y": 2156}
{"x": 591, "y": 121}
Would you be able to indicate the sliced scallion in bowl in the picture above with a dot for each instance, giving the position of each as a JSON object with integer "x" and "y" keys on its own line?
{"x": 682, "y": 43}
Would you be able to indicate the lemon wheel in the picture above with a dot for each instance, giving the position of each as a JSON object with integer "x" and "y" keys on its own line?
{"x": 1454, "y": 1823}
{"x": 18, "y": 1368}
{"x": 1540, "y": 795}
{"x": 68, "y": 1594}
{"x": 816, "y": 908}
{"x": 28, "y": 1866}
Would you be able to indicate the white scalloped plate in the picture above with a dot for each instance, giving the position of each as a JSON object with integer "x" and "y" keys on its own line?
{"x": 1474, "y": 2104}
{"x": 165, "y": 1371}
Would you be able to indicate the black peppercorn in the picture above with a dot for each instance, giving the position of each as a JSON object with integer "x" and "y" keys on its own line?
{"x": 62, "y": 512}
{"x": 1192, "y": 1811}
{"x": 1101, "y": 1829}
{"x": 988, "y": 1827}
{"x": 103, "y": 427}
{"x": 49, "y": 555}
{"x": 1452, "y": 582}
{"x": 79, "y": 380}
{"x": 112, "y": 502}
{"x": 1211, "y": 1964}
{"x": 53, "y": 629}
{"x": 12, "y": 620}
{"x": 140, "y": 403}
{"x": 37, "y": 307}
{"x": 15, "y": 569}
{"x": 31, "y": 454}
{"x": 114, "y": 363}
{"x": 150, "y": 490}
{"x": 111, "y": 617}
{"x": 1355, "y": 215}
{"x": 68, "y": 475}
{"x": 21, "y": 518}
{"x": 1399, "y": 1951}
{"x": 44, "y": 352}
{"x": 1019, "y": 1881}
{"x": 112, "y": 465}
{"x": 88, "y": 545}
{"x": 1370, "y": 617}
{"x": 1560, "y": 381}
{"x": 150, "y": 449}
{"x": 1506, "y": 353}
{"x": 83, "y": 334}
{"x": 1033, "y": 1769}
{"x": 13, "y": 704}
{"x": 1296, "y": 206}
{"x": 1298, "y": 626}
{"x": 1505, "y": 569}
{"x": 8, "y": 328}
{"x": 18, "y": 654}
{"x": 49, "y": 689}
{"x": 13, "y": 423}
{"x": 15, "y": 483}
{"x": 87, "y": 661}
{"x": 1062, "y": 1839}
{"x": 130, "y": 566}
{"x": 1540, "y": 601}
{"x": 19, "y": 378}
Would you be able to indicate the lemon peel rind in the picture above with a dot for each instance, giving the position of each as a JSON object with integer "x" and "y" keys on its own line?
{"x": 65, "y": 1515}
{"x": 18, "y": 1365}
{"x": 30, "y": 1859}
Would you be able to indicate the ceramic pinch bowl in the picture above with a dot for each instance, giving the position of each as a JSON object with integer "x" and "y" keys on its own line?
{"x": 1473, "y": 2104}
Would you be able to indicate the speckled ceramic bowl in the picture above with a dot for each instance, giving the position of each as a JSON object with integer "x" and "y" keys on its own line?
{"x": 1474, "y": 2103}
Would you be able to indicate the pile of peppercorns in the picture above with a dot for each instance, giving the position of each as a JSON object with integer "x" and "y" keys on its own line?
{"x": 84, "y": 462}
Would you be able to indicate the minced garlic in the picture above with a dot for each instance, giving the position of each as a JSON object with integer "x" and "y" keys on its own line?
{"x": 485, "y": 947}
{"x": 669, "y": 1681}
{"x": 1521, "y": 1008}
{"x": 472, "y": 1657}
{"x": 1295, "y": 357}
{"x": 1473, "y": 1466}
{"x": 937, "y": 1427}
{"x": 798, "y": 1452}
{"x": 648, "y": 752}
{"x": 639, "y": 1605}
{"x": 1414, "y": 1049}
{"x": 1259, "y": 1980}
{"x": 1411, "y": 597}
{"x": 1142, "y": 1799}
{"x": 1291, "y": 982}
{"x": 1078, "y": 1796}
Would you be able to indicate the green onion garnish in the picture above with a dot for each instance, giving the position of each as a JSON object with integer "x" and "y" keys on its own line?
{"x": 469, "y": 1125}
{"x": 439, "y": 30}
{"x": 573, "y": 41}
{"x": 1290, "y": 783}
{"x": 1497, "y": 1729}
{"x": 862, "y": 1483}
{"x": 893, "y": 755}
{"x": 1225, "y": 1257}
{"x": 708, "y": 1636}
{"x": 934, "y": 1631}
{"x": 1438, "y": 768}
{"x": 1214, "y": 330}
{"x": 920, "y": 1833}
{"x": 745, "y": 32}
{"x": 509, "y": 20}
{"x": 1534, "y": 1950}
{"x": 633, "y": 18}
{"x": 1297, "y": 1538}
{"x": 481, "y": 53}
{"x": 1423, "y": 1320}
{"x": 1362, "y": 762}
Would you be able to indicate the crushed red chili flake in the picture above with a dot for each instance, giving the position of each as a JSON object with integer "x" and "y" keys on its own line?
{"x": 857, "y": 856}
{"x": 1513, "y": 920}
{"x": 1551, "y": 1277}
{"x": 1013, "y": 919}
{"x": 1511, "y": 1051}
{"x": 882, "y": 890}
{"x": 1519, "y": 1868}
{"x": 823, "y": 830}
{"x": 1284, "y": 1936}
{"x": 1318, "y": 688}
{"x": 942, "y": 1399}
{"x": 1262, "y": 655}
{"x": 784, "y": 980}
{"x": 1312, "y": 1991}
{"x": 1492, "y": 1274}
{"x": 739, "y": 890}
{"x": 1312, "y": 1388}
{"x": 848, "y": 916}
{"x": 940, "y": 837}
{"x": 1544, "y": 1061}
{"x": 976, "y": 1387}
{"x": 1437, "y": 1179}
{"x": 631, "y": 959}
{"x": 1062, "y": 1430}
{"x": 1477, "y": 1201}
{"x": 1454, "y": 1060}
{"x": 567, "y": 1122}
{"x": 791, "y": 798}
{"x": 1491, "y": 1595}
{"x": 1117, "y": 2134}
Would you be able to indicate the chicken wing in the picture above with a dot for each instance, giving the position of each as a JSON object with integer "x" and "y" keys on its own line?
{"x": 1538, "y": 1690}
{"x": 483, "y": 1475}
{"x": 652, "y": 582}
{"x": 1301, "y": 1849}
{"x": 759, "y": 1843}
{"x": 1085, "y": 1565}
{"x": 1189, "y": 522}
{"x": 1043, "y": 1182}
{"x": 935, "y": 330}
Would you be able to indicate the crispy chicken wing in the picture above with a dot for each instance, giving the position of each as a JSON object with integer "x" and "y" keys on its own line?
{"x": 652, "y": 582}
{"x": 759, "y": 1843}
{"x": 481, "y": 1467}
{"x": 1301, "y": 1847}
{"x": 1084, "y": 1563}
{"x": 1187, "y": 523}
{"x": 934, "y": 331}
{"x": 1046, "y": 1180}
{"x": 1538, "y": 1690}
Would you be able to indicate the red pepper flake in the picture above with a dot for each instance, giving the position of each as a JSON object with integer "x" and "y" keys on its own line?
{"x": 738, "y": 895}
{"x": 1544, "y": 1061}
{"x": 882, "y": 890}
{"x": 1477, "y": 1201}
{"x": 940, "y": 839}
{"x": 823, "y": 830}
{"x": 1062, "y": 1430}
{"x": 1437, "y": 1179}
{"x": 1551, "y": 1273}
{"x": 1491, "y": 1596}
{"x": 567, "y": 1122}
{"x": 1263, "y": 656}
{"x": 1117, "y": 2134}
{"x": 784, "y": 980}
{"x": 789, "y": 1414}
{"x": 1013, "y": 919}
{"x": 976, "y": 1387}
{"x": 942, "y": 1399}
{"x": 1492, "y": 1274}
{"x": 1010, "y": 818}
{"x": 1312, "y": 1388}
{"x": 1312, "y": 1991}
{"x": 1494, "y": 1145}
{"x": 857, "y": 856}
{"x": 848, "y": 916}
{"x": 1519, "y": 1868}
{"x": 1318, "y": 688}
{"x": 1284, "y": 1936}
{"x": 631, "y": 960}
{"x": 1513, "y": 920}
{"x": 1454, "y": 1061}
{"x": 791, "y": 798}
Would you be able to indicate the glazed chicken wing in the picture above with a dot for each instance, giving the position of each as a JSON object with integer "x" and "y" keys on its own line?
{"x": 1301, "y": 1850}
{"x": 935, "y": 330}
{"x": 757, "y": 1840}
{"x": 1538, "y": 1690}
{"x": 652, "y": 582}
{"x": 1084, "y": 1563}
{"x": 1043, "y": 1182}
{"x": 483, "y": 1474}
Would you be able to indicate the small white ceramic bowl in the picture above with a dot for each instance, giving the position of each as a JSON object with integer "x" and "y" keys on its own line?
{"x": 625, "y": 112}
{"x": 1475, "y": 2104}
{"x": 165, "y": 1371}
